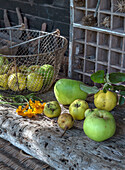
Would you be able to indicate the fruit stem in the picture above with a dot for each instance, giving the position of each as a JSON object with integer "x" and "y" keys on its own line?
{"x": 64, "y": 132}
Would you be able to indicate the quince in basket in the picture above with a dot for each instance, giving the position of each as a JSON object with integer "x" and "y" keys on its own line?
{"x": 47, "y": 72}
{"x": 17, "y": 82}
{"x": 4, "y": 82}
{"x": 4, "y": 69}
{"x": 33, "y": 68}
{"x": 34, "y": 82}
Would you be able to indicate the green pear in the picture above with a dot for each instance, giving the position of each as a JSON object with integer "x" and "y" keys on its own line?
{"x": 4, "y": 82}
{"x": 17, "y": 82}
{"x": 34, "y": 82}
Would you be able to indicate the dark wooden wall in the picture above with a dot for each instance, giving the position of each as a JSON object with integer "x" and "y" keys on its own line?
{"x": 54, "y": 12}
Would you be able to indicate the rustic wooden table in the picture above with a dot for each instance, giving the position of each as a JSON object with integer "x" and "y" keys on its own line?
{"x": 41, "y": 139}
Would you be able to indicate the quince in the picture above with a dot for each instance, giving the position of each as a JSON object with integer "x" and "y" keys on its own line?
{"x": 17, "y": 82}
{"x": 4, "y": 69}
{"x": 33, "y": 68}
{"x": 4, "y": 82}
{"x": 47, "y": 72}
{"x": 3, "y": 60}
{"x": 23, "y": 69}
{"x": 34, "y": 82}
{"x": 105, "y": 101}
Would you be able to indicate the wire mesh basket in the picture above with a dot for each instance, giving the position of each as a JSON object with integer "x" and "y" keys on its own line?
{"x": 29, "y": 59}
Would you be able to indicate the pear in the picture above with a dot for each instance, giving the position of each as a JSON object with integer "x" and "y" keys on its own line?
{"x": 34, "y": 82}
{"x": 17, "y": 82}
{"x": 65, "y": 121}
{"x": 4, "y": 82}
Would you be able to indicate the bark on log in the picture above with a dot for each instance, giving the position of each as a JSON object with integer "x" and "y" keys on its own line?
{"x": 41, "y": 139}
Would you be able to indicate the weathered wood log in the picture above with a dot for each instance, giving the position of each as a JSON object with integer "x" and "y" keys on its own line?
{"x": 41, "y": 139}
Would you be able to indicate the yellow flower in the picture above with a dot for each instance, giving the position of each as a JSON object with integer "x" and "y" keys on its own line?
{"x": 38, "y": 107}
{"x": 29, "y": 113}
{"x": 20, "y": 111}
{"x": 31, "y": 103}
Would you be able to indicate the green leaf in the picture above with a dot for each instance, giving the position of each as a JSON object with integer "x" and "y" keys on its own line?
{"x": 121, "y": 100}
{"x": 119, "y": 87}
{"x": 117, "y": 77}
{"x": 98, "y": 77}
{"x": 122, "y": 93}
{"x": 106, "y": 87}
{"x": 89, "y": 90}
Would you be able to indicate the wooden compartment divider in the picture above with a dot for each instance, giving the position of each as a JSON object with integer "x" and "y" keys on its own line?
{"x": 100, "y": 47}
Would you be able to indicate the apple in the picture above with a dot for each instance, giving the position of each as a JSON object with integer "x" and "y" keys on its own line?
{"x": 65, "y": 121}
{"x": 34, "y": 82}
{"x": 99, "y": 125}
{"x": 52, "y": 109}
{"x": 4, "y": 82}
{"x": 78, "y": 108}
{"x": 47, "y": 72}
{"x": 17, "y": 82}
{"x": 68, "y": 90}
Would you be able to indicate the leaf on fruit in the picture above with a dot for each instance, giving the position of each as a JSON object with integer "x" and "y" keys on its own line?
{"x": 98, "y": 77}
{"x": 89, "y": 90}
{"x": 117, "y": 77}
{"x": 121, "y": 100}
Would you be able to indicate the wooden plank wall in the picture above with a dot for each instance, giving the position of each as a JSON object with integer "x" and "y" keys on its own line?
{"x": 54, "y": 12}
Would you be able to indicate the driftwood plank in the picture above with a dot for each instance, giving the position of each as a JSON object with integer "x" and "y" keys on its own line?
{"x": 41, "y": 139}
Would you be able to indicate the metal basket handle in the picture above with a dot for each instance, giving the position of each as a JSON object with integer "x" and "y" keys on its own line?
{"x": 33, "y": 39}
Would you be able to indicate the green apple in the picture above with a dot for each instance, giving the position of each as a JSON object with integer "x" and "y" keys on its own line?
{"x": 99, "y": 125}
{"x": 78, "y": 108}
{"x": 17, "y": 82}
{"x": 47, "y": 72}
{"x": 4, "y": 82}
{"x": 33, "y": 68}
{"x": 4, "y": 69}
{"x": 65, "y": 121}
{"x": 34, "y": 82}
{"x": 52, "y": 109}
{"x": 67, "y": 90}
